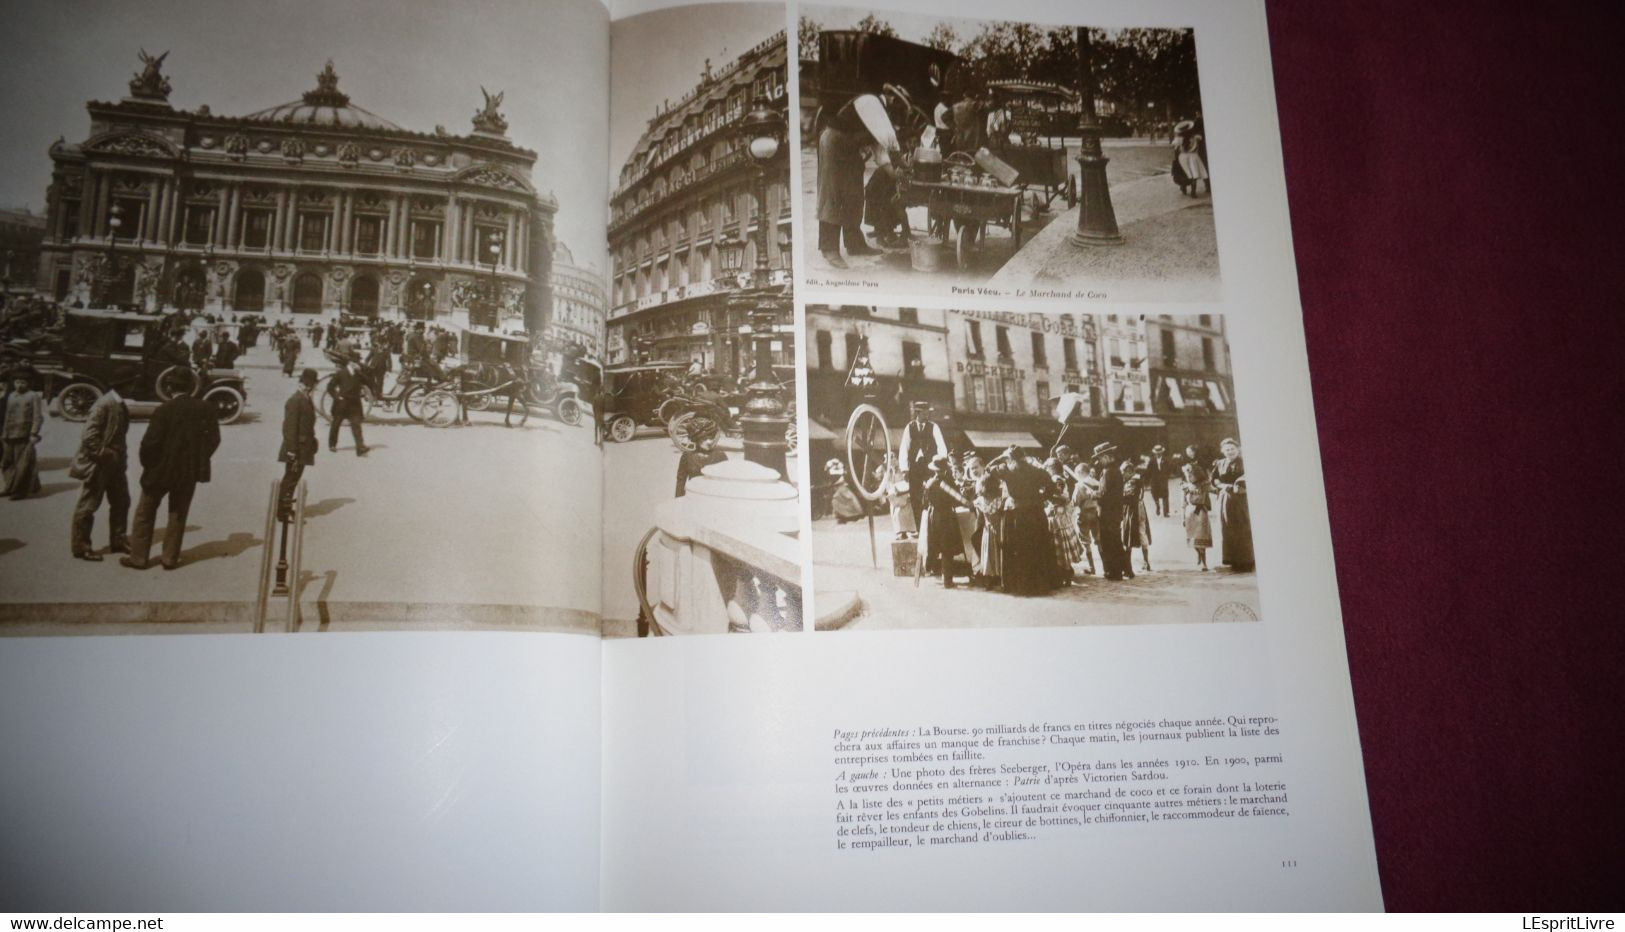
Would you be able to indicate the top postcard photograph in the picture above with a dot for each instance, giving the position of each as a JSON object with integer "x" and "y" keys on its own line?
{"x": 1002, "y": 159}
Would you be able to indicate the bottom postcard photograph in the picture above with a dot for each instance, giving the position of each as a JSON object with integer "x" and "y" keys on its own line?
{"x": 976, "y": 469}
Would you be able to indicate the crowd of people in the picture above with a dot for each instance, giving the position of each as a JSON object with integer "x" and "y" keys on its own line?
{"x": 1026, "y": 526}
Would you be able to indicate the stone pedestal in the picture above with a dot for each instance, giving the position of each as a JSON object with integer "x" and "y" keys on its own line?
{"x": 725, "y": 557}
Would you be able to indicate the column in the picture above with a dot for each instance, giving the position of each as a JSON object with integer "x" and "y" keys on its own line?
{"x": 172, "y": 198}
{"x": 292, "y": 225}
{"x": 335, "y": 225}
{"x": 454, "y": 230}
{"x": 278, "y": 218}
{"x": 222, "y": 211}
{"x": 521, "y": 254}
{"x": 347, "y": 223}
{"x": 104, "y": 184}
{"x": 234, "y": 213}
{"x": 508, "y": 240}
{"x": 470, "y": 241}
{"x": 87, "y": 203}
{"x": 150, "y": 220}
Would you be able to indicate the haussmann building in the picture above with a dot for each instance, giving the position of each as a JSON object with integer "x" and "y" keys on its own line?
{"x": 684, "y": 223}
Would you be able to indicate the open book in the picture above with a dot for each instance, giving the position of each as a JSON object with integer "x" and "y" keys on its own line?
{"x": 890, "y": 347}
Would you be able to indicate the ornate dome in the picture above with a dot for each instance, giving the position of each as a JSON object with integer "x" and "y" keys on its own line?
{"x": 324, "y": 106}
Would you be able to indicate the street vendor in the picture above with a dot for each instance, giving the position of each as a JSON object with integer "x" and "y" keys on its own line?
{"x": 868, "y": 123}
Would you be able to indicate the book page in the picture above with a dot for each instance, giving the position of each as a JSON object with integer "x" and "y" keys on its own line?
{"x": 1073, "y": 635}
{"x": 301, "y": 338}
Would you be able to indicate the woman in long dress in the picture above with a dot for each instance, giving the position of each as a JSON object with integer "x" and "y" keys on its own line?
{"x": 991, "y": 503}
{"x": 1198, "y": 502}
{"x": 894, "y": 485}
{"x": 24, "y": 418}
{"x": 1235, "y": 522}
{"x": 1030, "y": 564}
{"x": 1190, "y": 169}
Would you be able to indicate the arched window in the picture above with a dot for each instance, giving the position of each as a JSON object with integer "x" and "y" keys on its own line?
{"x": 307, "y": 293}
{"x": 249, "y": 294}
{"x": 364, "y": 295}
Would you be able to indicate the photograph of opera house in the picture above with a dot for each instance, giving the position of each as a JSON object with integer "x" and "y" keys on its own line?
{"x": 311, "y": 208}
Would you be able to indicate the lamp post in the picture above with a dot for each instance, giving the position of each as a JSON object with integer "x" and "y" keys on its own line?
{"x": 494, "y": 250}
{"x": 1097, "y": 222}
{"x": 764, "y": 422}
{"x": 114, "y": 221}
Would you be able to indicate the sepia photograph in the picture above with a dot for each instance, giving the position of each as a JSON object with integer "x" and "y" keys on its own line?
{"x": 701, "y": 508}
{"x": 976, "y": 469}
{"x": 1003, "y": 159}
{"x": 292, "y": 326}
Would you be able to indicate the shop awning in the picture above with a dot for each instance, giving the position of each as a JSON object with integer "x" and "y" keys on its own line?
{"x": 999, "y": 439}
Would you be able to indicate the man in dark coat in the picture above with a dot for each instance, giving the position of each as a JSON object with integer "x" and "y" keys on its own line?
{"x": 1156, "y": 470}
{"x": 346, "y": 389}
{"x": 298, "y": 441}
{"x": 1030, "y": 566}
{"x": 181, "y": 439}
{"x": 922, "y": 442}
{"x": 100, "y": 463}
{"x": 1114, "y": 558}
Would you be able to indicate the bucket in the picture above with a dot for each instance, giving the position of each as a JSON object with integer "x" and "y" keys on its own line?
{"x": 926, "y": 254}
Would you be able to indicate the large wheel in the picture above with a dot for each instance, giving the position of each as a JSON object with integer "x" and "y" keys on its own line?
{"x": 439, "y": 408}
{"x": 622, "y": 428}
{"x": 868, "y": 441}
{"x": 568, "y": 410}
{"x": 412, "y": 400}
{"x": 227, "y": 402}
{"x": 790, "y": 437}
{"x": 324, "y": 399}
{"x": 688, "y": 426}
{"x": 77, "y": 399}
{"x": 176, "y": 381}
{"x": 965, "y": 243}
{"x": 477, "y": 401}
{"x": 670, "y": 409}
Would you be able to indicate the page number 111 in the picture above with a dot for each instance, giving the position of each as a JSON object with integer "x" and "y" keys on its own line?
{"x": 1292, "y": 863}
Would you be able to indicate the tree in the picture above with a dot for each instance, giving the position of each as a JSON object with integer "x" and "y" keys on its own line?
{"x": 871, "y": 23}
{"x": 943, "y": 36}
{"x": 807, "y": 30}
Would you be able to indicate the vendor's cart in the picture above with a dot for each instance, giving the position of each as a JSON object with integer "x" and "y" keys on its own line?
{"x": 1040, "y": 115}
{"x": 962, "y": 202}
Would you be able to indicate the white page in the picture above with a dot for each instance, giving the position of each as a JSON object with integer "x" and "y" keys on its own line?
{"x": 720, "y": 773}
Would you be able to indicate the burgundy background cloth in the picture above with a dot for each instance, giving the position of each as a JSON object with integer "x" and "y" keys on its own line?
{"x": 1456, "y": 178}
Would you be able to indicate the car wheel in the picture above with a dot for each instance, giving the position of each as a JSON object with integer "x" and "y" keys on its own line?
{"x": 227, "y": 403}
{"x": 176, "y": 381}
{"x": 569, "y": 411}
{"x": 622, "y": 428}
{"x": 77, "y": 399}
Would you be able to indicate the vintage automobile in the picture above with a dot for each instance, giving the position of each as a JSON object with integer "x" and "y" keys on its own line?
{"x": 632, "y": 395}
{"x": 101, "y": 349}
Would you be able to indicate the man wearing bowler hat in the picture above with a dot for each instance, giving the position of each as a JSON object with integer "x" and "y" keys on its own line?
{"x": 1114, "y": 561}
{"x": 298, "y": 441}
{"x": 922, "y": 442}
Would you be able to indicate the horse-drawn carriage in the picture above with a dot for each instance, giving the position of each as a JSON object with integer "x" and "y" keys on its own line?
{"x": 141, "y": 355}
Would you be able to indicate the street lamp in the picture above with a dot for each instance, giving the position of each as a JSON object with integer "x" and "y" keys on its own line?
{"x": 762, "y": 132}
{"x": 494, "y": 250}
{"x": 763, "y": 423}
{"x": 1097, "y": 222}
{"x": 114, "y": 221}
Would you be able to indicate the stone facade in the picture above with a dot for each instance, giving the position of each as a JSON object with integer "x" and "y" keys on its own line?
{"x": 307, "y": 209}
{"x": 579, "y": 303}
{"x": 684, "y": 224}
